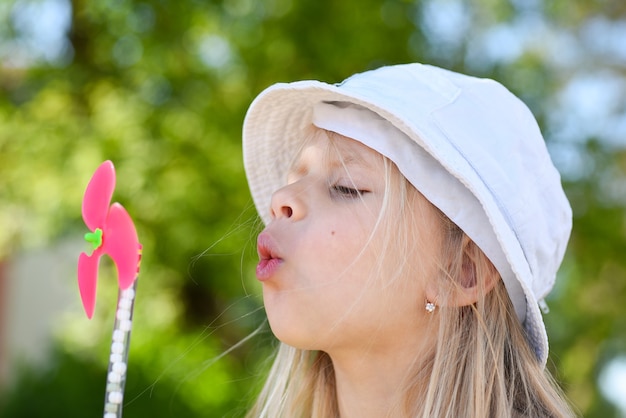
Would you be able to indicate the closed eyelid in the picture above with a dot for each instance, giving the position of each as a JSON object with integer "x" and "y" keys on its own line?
{"x": 343, "y": 166}
{"x": 337, "y": 175}
{"x": 349, "y": 190}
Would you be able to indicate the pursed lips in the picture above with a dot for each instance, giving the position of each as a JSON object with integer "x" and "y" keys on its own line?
{"x": 269, "y": 259}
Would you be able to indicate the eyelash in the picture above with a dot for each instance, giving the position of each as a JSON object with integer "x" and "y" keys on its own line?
{"x": 347, "y": 192}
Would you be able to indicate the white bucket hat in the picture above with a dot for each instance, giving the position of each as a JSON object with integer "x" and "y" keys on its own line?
{"x": 467, "y": 144}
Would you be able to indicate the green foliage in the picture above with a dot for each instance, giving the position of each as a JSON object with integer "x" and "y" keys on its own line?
{"x": 74, "y": 388}
{"x": 161, "y": 88}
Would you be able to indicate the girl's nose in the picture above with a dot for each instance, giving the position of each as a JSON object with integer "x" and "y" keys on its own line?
{"x": 287, "y": 202}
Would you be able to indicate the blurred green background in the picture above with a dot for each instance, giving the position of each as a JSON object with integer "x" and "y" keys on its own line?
{"x": 160, "y": 87}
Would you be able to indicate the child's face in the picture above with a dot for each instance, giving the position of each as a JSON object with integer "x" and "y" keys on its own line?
{"x": 326, "y": 284}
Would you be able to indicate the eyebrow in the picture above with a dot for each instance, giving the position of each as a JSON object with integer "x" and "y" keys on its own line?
{"x": 339, "y": 161}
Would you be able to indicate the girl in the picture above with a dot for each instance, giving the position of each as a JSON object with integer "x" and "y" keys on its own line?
{"x": 414, "y": 223}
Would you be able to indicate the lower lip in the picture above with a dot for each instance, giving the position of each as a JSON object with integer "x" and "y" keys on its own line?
{"x": 266, "y": 268}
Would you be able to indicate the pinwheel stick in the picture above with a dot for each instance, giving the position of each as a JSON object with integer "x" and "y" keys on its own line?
{"x": 120, "y": 344}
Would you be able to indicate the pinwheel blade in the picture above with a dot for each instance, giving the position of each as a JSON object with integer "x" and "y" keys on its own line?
{"x": 87, "y": 280}
{"x": 122, "y": 245}
{"x": 98, "y": 196}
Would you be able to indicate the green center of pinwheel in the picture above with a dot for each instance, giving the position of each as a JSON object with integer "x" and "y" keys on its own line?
{"x": 94, "y": 238}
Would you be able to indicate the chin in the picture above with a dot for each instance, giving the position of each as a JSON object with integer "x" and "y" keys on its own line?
{"x": 293, "y": 335}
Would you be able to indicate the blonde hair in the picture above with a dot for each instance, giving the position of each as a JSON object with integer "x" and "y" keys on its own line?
{"x": 482, "y": 365}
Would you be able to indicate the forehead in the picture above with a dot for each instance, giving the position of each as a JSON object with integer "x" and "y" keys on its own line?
{"x": 335, "y": 150}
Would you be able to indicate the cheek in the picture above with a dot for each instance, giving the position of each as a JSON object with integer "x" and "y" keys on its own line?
{"x": 341, "y": 245}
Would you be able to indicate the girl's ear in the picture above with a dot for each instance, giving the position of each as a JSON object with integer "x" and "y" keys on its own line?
{"x": 478, "y": 275}
{"x": 475, "y": 275}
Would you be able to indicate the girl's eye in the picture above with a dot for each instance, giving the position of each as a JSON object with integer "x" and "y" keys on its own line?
{"x": 345, "y": 191}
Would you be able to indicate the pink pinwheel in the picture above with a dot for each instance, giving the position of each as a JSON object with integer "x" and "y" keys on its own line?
{"x": 113, "y": 233}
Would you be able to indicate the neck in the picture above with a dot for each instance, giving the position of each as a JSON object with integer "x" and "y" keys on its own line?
{"x": 373, "y": 384}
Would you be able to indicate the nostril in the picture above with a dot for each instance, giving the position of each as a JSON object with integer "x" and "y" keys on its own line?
{"x": 285, "y": 203}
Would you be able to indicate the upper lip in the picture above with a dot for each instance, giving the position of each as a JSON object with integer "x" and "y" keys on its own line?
{"x": 266, "y": 247}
